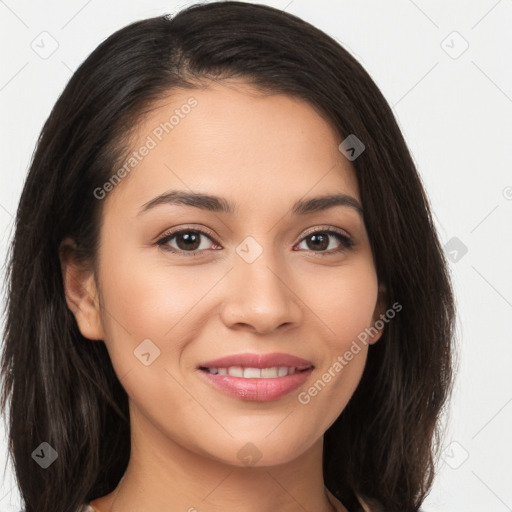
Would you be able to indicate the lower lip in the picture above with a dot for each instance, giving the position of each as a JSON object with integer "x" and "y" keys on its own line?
{"x": 260, "y": 390}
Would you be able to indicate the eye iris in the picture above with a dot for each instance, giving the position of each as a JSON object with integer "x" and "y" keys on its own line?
{"x": 321, "y": 238}
{"x": 191, "y": 239}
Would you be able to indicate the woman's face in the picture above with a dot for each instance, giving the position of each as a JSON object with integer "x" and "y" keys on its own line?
{"x": 266, "y": 279}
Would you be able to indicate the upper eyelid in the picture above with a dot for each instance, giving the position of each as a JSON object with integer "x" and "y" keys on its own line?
{"x": 326, "y": 228}
{"x": 173, "y": 232}
{"x": 170, "y": 234}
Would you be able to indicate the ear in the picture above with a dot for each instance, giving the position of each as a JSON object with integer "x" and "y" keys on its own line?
{"x": 380, "y": 309}
{"x": 80, "y": 290}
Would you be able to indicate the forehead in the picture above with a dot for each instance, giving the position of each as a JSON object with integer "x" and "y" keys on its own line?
{"x": 233, "y": 140}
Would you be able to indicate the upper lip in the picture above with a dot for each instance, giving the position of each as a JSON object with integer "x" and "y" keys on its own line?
{"x": 251, "y": 360}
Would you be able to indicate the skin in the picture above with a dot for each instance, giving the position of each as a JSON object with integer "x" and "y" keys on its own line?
{"x": 262, "y": 152}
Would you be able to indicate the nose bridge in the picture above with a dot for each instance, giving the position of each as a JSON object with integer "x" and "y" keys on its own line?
{"x": 259, "y": 294}
{"x": 259, "y": 269}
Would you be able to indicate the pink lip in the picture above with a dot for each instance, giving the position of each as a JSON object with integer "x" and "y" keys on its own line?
{"x": 263, "y": 389}
{"x": 250, "y": 360}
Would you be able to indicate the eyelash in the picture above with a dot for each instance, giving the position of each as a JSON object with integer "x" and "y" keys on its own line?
{"x": 346, "y": 242}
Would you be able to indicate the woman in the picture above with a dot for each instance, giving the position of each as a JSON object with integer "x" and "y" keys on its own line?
{"x": 225, "y": 290}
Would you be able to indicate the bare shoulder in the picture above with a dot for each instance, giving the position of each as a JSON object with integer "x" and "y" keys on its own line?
{"x": 367, "y": 504}
{"x": 86, "y": 508}
{"x": 370, "y": 505}
{"x": 336, "y": 502}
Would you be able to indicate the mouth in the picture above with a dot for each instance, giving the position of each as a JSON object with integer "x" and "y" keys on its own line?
{"x": 257, "y": 377}
{"x": 255, "y": 373}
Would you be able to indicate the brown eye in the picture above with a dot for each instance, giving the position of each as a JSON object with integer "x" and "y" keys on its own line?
{"x": 321, "y": 241}
{"x": 186, "y": 241}
{"x": 318, "y": 241}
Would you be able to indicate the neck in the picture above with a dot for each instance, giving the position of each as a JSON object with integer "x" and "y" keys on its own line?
{"x": 163, "y": 475}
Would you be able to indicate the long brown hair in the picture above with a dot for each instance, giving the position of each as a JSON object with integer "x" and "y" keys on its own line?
{"x": 61, "y": 389}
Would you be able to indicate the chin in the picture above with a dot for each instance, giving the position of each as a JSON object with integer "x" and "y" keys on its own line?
{"x": 260, "y": 453}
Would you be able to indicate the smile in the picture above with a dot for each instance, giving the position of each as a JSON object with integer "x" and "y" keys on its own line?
{"x": 257, "y": 377}
{"x": 254, "y": 373}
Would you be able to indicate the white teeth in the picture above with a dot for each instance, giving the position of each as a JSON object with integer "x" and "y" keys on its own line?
{"x": 236, "y": 371}
{"x": 269, "y": 373}
{"x": 254, "y": 373}
{"x": 283, "y": 371}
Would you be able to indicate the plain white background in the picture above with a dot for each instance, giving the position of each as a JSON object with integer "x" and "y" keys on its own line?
{"x": 446, "y": 69}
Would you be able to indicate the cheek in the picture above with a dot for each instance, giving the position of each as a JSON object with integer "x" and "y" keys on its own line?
{"x": 343, "y": 300}
{"x": 149, "y": 298}
{"x": 345, "y": 305}
{"x": 346, "y": 308}
{"x": 350, "y": 313}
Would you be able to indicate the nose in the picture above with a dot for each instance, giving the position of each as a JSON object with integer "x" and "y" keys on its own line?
{"x": 260, "y": 297}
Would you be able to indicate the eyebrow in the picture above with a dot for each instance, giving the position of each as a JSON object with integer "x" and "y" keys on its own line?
{"x": 221, "y": 205}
